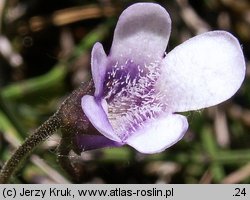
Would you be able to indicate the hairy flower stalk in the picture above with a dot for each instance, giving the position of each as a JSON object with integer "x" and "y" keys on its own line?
{"x": 39, "y": 135}
{"x": 68, "y": 117}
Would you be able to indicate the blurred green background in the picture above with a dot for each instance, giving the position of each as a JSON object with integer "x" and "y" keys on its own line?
{"x": 45, "y": 54}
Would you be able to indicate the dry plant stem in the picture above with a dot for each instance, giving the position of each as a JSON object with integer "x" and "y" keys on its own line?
{"x": 40, "y": 134}
{"x": 63, "y": 155}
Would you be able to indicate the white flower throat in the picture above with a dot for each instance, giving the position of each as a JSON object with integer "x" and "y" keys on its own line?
{"x": 131, "y": 96}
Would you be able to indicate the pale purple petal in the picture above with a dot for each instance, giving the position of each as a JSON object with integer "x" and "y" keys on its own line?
{"x": 98, "y": 67}
{"x": 159, "y": 134}
{"x": 203, "y": 71}
{"x": 94, "y": 110}
{"x": 141, "y": 33}
{"x": 90, "y": 142}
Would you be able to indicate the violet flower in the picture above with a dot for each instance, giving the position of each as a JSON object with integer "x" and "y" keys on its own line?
{"x": 138, "y": 89}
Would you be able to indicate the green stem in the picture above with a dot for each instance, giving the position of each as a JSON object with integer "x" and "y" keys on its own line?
{"x": 212, "y": 150}
{"x": 25, "y": 89}
{"x": 6, "y": 108}
{"x": 40, "y": 134}
{"x": 222, "y": 157}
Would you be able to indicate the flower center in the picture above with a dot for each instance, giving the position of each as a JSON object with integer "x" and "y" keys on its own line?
{"x": 132, "y": 98}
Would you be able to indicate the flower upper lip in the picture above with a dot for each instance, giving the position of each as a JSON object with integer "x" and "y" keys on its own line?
{"x": 138, "y": 90}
